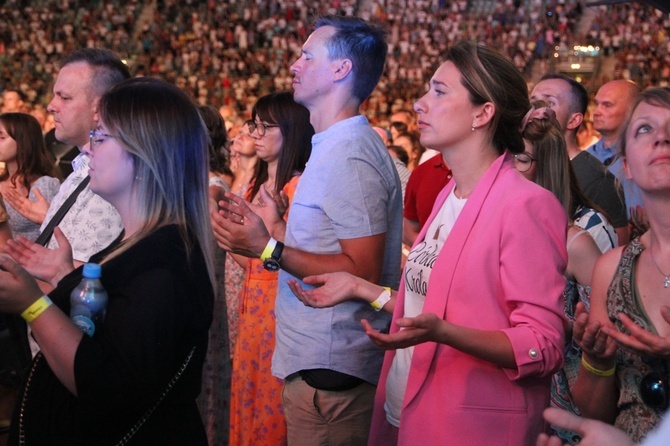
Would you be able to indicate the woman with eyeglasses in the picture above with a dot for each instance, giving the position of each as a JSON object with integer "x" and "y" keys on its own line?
{"x": 282, "y": 136}
{"x": 625, "y": 339}
{"x": 545, "y": 161}
{"x": 243, "y": 161}
{"x": 136, "y": 378}
{"x": 477, "y": 329}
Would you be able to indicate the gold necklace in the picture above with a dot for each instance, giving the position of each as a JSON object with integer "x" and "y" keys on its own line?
{"x": 666, "y": 277}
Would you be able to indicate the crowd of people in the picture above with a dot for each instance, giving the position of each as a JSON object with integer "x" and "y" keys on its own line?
{"x": 233, "y": 53}
{"x": 639, "y": 37}
{"x": 259, "y": 288}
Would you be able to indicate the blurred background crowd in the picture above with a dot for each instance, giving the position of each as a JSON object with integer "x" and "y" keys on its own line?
{"x": 228, "y": 54}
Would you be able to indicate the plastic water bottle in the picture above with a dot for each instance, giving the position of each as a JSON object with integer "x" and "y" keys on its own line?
{"x": 88, "y": 301}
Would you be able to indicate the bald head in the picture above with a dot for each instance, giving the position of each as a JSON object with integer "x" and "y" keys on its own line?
{"x": 614, "y": 101}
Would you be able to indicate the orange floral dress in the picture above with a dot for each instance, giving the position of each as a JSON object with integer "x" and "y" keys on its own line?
{"x": 256, "y": 412}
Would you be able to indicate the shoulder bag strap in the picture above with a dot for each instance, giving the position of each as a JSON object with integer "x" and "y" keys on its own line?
{"x": 45, "y": 236}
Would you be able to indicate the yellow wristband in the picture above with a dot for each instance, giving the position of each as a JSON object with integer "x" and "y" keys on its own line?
{"x": 383, "y": 298}
{"x": 596, "y": 371}
{"x": 267, "y": 252}
{"x": 32, "y": 312}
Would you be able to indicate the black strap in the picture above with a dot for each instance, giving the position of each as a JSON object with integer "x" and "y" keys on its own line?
{"x": 45, "y": 236}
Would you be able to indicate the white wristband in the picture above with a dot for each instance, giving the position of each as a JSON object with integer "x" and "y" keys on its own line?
{"x": 382, "y": 300}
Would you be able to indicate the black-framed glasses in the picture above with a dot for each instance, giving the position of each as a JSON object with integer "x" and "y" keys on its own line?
{"x": 654, "y": 388}
{"x": 259, "y": 126}
{"x": 94, "y": 138}
{"x": 523, "y": 162}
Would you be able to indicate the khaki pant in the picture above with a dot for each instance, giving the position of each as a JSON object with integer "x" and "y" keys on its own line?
{"x": 327, "y": 418}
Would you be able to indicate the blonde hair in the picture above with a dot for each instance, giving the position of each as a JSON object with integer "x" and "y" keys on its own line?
{"x": 161, "y": 128}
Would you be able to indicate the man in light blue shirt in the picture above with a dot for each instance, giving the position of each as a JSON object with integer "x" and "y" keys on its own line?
{"x": 346, "y": 215}
{"x": 614, "y": 101}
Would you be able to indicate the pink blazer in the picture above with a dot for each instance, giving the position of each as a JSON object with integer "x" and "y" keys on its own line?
{"x": 501, "y": 268}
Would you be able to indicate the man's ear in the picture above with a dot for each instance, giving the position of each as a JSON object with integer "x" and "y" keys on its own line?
{"x": 342, "y": 69}
{"x": 96, "y": 110}
{"x": 574, "y": 121}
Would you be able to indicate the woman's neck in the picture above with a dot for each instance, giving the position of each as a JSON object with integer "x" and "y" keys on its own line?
{"x": 11, "y": 167}
{"x": 244, "y": 173}
{"x": 467, "y": 165}
{"x": 658, "y": 215}
{"x": 272, "y": 174}
{"x": 247, "y": 163}
{"x": 127, "y": 206}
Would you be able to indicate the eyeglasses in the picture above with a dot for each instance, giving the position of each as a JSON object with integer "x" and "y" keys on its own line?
{"x": 94, "y": 138}
{"x": 523, "y": 162}
{"x": 259, "y": 126}
{"x": 654, "y": 389}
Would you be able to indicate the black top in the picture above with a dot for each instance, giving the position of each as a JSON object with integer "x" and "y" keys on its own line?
{"x": 160, "y": 307}
{"x": 600, "y": 186}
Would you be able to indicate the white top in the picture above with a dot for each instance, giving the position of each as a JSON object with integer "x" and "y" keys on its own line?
{"x": 417, "y": 272}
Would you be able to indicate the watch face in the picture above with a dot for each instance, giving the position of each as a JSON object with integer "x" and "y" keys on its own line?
{"x": 271, "y": 264}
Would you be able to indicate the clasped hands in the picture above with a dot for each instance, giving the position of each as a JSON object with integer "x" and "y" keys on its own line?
{"x": 244, "y": 228}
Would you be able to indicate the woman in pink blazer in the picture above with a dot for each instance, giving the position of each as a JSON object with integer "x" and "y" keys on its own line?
{"x": 477, "y": 325}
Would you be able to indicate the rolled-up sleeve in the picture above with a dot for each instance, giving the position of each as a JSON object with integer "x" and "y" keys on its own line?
{"x": 533, "y": 261}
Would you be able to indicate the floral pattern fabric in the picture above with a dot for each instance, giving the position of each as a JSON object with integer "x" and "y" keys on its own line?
{"x": 257, "y": 415}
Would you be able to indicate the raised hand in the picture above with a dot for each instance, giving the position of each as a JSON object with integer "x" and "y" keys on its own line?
{"x": 49, "y": 265}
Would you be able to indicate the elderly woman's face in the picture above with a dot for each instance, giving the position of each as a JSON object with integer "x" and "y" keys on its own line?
{"x": 647, "y": 160}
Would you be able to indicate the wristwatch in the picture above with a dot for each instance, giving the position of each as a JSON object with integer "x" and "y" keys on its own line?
{"x": 272, "y": 262}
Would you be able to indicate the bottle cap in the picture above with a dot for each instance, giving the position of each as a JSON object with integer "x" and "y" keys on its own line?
{"x": 92, "y": 271}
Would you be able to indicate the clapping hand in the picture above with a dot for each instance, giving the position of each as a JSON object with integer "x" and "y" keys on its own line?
{"x": 18, "y": 290}
{"x": 641, "y": 341}
{"x": 271, "y": 207}
{"x": 592, "y": 338}
{"x": 237, "y": 228}
{"x": 49, "y": 265}
{"x": 34, "y": 211}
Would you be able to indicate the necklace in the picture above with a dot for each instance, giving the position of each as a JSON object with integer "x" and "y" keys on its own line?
{"x": 462, "y": 197}
{"x": 666, "y": 277}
